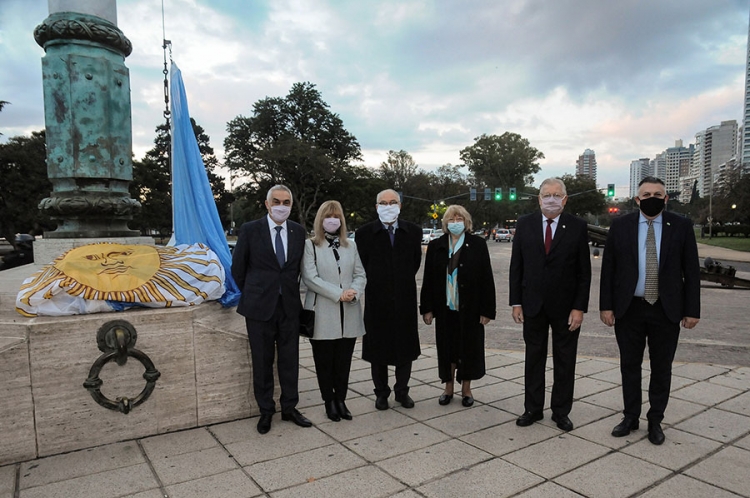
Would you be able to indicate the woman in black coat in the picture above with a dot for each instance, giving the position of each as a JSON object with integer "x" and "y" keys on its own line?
{"x": 458, "y": 291}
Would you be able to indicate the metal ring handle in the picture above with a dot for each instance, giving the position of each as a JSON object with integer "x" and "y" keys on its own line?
{"x": 122, "y": 404}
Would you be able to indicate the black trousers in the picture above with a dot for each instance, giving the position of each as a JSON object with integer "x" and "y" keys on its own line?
{"x": 379, "y": 373}
{"x": 278, "y": 337}
{"x": 333, "y": 361}
{"x": 643, "y": 322}
{"x": 564, "y": 350}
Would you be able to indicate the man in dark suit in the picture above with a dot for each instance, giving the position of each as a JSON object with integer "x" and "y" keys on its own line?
{"x": 391, "y": 252}
{"x": 266, "y": 267}
{"x": 650, "y": 283}
{"x": 550, "y": 276}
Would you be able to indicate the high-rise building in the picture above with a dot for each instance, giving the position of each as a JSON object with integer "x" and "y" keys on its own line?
{"x": 713, "y": 146}
{"x": 745, "y": 141}
{"x": 639, "y": 169}
{"x": 586, "y": 164}
{"x": 678, "y": 160}
{"x": 658, "y": 166}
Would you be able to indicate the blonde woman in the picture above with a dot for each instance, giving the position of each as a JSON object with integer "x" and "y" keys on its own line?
{"x": 335, "y": 280}
{"x": 458, "y": 292}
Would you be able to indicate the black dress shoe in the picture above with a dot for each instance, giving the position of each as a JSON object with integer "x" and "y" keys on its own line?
{"x": 623, "y": 428}
{"x": 264, "y": 423}
{"x": 529, "y": 418}
{"x": 563, "y": 422}
{"x": 381, "y": 402}
{"x": 405, "y": 401}
{"x": 445, "y": 399}
{"x": 343, "y": 410}
{"x": 655, "y": 434}
{"x": 467, "y": 401}
{"x": 296, "y": 417}
{"x": 332, "y": 411}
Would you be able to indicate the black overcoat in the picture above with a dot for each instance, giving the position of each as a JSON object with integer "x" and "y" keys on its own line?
{"x": 476, "y": 297}
{"x": 391, "y": 315}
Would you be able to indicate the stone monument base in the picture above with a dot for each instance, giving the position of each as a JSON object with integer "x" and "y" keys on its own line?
{"x": 201, "y": 352}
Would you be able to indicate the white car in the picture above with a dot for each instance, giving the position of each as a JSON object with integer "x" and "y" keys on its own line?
{"x": 426, "y": 235}
{"x": 503, "y": 234}
{"x": 436, "y": 234}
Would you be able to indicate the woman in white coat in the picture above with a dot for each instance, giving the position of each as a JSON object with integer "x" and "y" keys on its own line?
{"x": 335, "y": 280}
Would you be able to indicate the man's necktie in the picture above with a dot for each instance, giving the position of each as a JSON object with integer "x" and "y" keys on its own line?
{"x": 652, "y": 267}
{"x": 391, "y": 234}
{"x": 548, "y": 236}
{"x": 279, "y": 247}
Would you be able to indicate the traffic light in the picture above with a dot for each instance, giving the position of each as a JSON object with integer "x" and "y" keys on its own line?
{"x": 498, "y": 194}
{"x": 512, "y": 194}
{"x": 611, "y": 190}
{"x": 487, "y": 194}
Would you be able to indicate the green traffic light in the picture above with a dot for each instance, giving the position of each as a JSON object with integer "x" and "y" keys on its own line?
{"x": 498, "y": 194}
{"x": 512, "y": 194}
{"x": 611, "y": 190}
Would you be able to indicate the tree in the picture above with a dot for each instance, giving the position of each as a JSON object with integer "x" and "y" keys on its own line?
{"x": 583, "y": 196}
{"x": 3, "y": 103}
{"x": 296, "y": 141}
{"x": 397, "y": 169}
{"x": 152, "y": 182}
{"x": 23, "y": 169}
{"x": 503, "y": 161}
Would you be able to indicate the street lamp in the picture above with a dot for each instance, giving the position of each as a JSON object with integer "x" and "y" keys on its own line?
{"x": 734, "y": 212}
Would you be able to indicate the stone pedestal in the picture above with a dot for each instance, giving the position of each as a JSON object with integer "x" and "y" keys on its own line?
{"x": 202, "y": 353}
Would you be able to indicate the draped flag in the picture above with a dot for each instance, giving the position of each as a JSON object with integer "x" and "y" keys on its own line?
{"x": 196, "y": 219}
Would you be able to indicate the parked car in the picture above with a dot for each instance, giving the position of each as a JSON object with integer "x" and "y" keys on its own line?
{"x": 436, "y": 234}
{"x": 426, "y": 235}
{"x": 503, "y": 235}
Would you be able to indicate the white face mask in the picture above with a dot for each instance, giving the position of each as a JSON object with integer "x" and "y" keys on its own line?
{"x": 389, "y": 213}
{"x": 279, "y": 214}
{"x": 331, "y": 225}
{"x": 552, "y": 206}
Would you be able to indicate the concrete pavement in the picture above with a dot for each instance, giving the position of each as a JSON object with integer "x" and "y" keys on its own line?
{"x": 433, "y": 450}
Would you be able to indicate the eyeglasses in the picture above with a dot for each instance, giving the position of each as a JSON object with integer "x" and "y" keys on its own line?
{"x": 556, "y": 196}
{"x": 388, "y": 203}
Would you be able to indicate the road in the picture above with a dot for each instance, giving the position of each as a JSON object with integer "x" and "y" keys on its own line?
{"x": 721, "y": 337}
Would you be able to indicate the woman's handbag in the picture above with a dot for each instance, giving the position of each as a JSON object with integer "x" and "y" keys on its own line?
{"x": 307, "y": 317}
{"x": 307, "y": 322}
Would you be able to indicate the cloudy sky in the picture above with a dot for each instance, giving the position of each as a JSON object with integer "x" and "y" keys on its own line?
{"x": 624, "y": 78}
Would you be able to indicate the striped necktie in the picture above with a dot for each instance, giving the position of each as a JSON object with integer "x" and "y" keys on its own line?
{"x": 652, "y": 266}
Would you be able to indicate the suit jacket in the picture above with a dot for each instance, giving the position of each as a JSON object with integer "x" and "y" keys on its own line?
{"x": 258, "y": 274}
{"x": 557, "y": 282}
{"x": 679, "y": 268}
{"x": 325, "y": 283}
{"x": 391, "y": 293}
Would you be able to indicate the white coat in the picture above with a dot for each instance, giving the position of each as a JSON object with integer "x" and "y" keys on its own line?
{"x": 325, "y": 281}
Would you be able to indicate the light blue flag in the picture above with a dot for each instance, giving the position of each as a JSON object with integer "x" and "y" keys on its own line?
{"x": 194, "y": 212}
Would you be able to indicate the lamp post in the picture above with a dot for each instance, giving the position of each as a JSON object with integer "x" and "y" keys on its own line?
{"x": 734, "y": 213}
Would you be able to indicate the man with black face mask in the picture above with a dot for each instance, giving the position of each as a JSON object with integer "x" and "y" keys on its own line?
{"x": 650, "y": 284}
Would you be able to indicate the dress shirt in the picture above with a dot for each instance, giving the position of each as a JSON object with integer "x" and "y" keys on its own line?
{"x": 395, "y": 226}
{"x": 555, "y": 220}
{"x": 640, "y": 287}
{"x": 272, "y": 228}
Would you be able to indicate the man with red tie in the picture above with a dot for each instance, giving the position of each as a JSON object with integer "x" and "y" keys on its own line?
{"x": 550, "y": 277}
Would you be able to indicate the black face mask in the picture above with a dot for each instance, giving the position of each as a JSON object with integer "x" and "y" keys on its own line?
{"x": 652, "y": 206}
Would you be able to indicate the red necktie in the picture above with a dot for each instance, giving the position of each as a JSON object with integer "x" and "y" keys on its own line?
{"x": 548, "y": 236}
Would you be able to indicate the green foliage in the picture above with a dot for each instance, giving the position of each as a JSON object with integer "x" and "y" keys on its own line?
{"x": 23, "y": 169}
{"x": 296, "y": 141}
{"x": 504, "y": 161}
{"x": 397, "y": 169}
{"x": 152, "y": 183}
{"x": 583, "y": 196}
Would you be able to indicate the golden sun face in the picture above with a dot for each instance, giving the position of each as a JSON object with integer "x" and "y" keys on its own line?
{"x": 141, "y": 275}
{"x": 110, "y": 267}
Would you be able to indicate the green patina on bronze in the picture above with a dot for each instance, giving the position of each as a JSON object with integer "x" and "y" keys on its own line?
{"x": 88, "y": 126}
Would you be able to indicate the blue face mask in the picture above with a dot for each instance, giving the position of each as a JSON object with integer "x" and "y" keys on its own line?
{"x": 456, "y": 228}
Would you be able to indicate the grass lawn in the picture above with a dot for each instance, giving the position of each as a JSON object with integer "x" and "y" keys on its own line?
{"x": 738, "y": 243}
